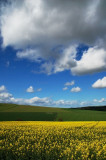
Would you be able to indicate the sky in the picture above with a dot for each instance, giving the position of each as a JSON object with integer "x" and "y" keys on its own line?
{"x": 53, "y": 53}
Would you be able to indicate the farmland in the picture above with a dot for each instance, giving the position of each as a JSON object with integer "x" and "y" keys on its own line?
{"x": 25, "y": 135}
{"x": 13, "y": 112}
{"x": 52, "y": 140}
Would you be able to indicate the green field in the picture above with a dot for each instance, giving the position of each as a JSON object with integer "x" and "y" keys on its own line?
{"x": 13, "y": 112}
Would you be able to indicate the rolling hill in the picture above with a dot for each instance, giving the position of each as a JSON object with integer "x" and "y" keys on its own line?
{"x": 14, "y": 112}
{"x": 95, "y": 108}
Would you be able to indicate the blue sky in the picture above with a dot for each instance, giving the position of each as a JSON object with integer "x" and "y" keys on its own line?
{"x": 51, "y": 57}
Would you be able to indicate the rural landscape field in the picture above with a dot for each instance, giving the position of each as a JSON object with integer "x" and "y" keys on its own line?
{"x": 52, "y": 79}
{"x": 52, "y": 140}
{"x": 43, "y": 133}
{"x": 14, "y": 112}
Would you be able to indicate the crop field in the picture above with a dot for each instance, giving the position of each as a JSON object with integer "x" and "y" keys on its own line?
{"x": 13, "y": 112}
{"x": 32, "y": 140}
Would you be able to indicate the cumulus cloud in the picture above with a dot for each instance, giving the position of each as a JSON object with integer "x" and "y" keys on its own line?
{"x": 61, "y": 61}
{"x": 83, "y": 103}
{"x": 99, "y": 101}
{"x": 30, "y": 89}
{"x": 31, "y": 101}
{"x": 25, "y": 23}
{"x": 94, "y": 102}
{"x": 69, "y": 83}
{"x": 65, "y": 88}
{"x": 76, "y": 89}
{"x": 93, "y": 60}
{"x": 39, "y": 89}
{"x": 100, "y": 83}
{"x": 66, "y": 59}
{"x": 2, "y": 88}
{"x": 6, "y": 97}
{"x": 63, "y": 103}
{"x": 30, "y": 54}
{"x": 38, "y": 27}
{"x": 56, "y": 60}
{"x": 46, "y": 101}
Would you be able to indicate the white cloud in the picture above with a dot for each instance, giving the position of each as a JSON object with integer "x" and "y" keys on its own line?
{"x": 76, "y": 89}
{"x": 25, "y": 23}
{"x": 83, "y": 103}
{"x": 65, "y": 88}
{"x": 60, "y": 61}
{"x": 39, "y": 89}
{"x": 69, "y": 83}
{"x": 100, "y": 101}
{"x": 64, "y": 103}
{"x": 66, "y": 59}
{"x": 53, "y": 61}
{"x": 42, "y": 25}
{"x": 93, "y": 60}
{"x": 100, "y": 83}
{"x": 2, "y": 88}
{"x": 30, "y": 89}
{"x": 32, "y": 101}
{"x": 6, "y": 97}
{"x": 94, "y": 102}
{"x": 30, "y": 54}
{"x": 46, "y": 101}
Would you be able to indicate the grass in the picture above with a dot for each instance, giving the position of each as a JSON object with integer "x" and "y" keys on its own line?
{"x": 13, "y": 112}
{"x": 82, "y": 115}
{"x": 27, "y": 108}
{"x": 27, "y": 116}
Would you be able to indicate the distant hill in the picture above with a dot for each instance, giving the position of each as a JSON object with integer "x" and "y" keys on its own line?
{"x": 96, "y": 108}
{"x": 4, "y": 107}
{"x": 14, "y": 112}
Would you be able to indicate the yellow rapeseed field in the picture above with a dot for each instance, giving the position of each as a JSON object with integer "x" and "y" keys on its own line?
{"x": 52, "y": 140}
